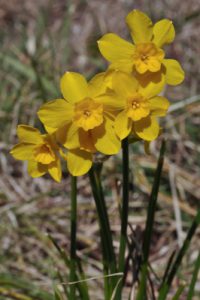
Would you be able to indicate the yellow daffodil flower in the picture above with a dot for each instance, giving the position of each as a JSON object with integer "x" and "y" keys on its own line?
{"x": 39, "y": 150}
{"x": 145, "y": 58}
{"x": 141, "y": 107}
{"x": 83, "y": 120}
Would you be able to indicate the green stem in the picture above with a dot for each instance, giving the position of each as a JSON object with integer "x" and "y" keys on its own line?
{"x": 149, "y": 225}
{"x": 124, "y": 211}
{"x": 73, "y": 220}
{"x": 152, "y": 205}
{"x": 106, "y": 236}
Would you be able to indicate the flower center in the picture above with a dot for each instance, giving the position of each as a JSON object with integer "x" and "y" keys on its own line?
{"x": 144, "y": 57}
{"x": 135, "y": 104}
{"x": 88, "y": 114}
{"x": 44, "y": 154}
{"x": 137, "y": 107}
{"x": 147, "y": 57}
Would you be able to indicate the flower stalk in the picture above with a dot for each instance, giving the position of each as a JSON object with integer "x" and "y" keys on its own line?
{"x": 149, "y": 226}
{"x": 73, "y": 221}
{"x": 109, "y": 259}
{"x": 124, "y": 211}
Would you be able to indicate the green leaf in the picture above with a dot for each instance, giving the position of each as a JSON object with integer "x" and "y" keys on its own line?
{"x": 149, "y": 225}
{"x": 179, "y": 292}
{"x": 62, "y": 253}
{"x": 27, "y": 71}
{"x": 194, "y": 278}
{"x": 25, "y": 286}
{"x": 13, "y": 295}
{"x": 174, "y": 268}
{"x": 82, "y": 286}
{"x": 109, "y": 260}
{"x": 169, "y": 264}
{"x": 57, "y": 294}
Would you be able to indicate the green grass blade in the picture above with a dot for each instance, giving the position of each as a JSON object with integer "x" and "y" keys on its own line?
{"x": 167, "y": 284}
{"x": 13, "y": 294}
{"x": 194, "y": 279}
{"x": 108, "y": 234}
{"x": 26, "y": 286}
{"x": 82, "y": 286}
{"x": 169, "y": 264}
{"x": 62, "y": 253}
{"x": 109, "y": 262}
{"x": 65, "y": 288}
{"x": 149, "y": 225}
{"x": 84, "y": 292}
{"x": 179, "y": 292}
{"x": 28, "y": 72}
{"x": 57, "y": 295}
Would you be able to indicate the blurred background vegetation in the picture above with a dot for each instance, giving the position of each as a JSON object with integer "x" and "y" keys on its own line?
{"x": 40, "y": 40}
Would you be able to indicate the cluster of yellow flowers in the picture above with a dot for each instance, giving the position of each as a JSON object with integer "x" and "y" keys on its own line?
{"x": 95, "y": 116}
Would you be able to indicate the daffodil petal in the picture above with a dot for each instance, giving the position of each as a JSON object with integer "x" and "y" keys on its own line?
{"x": 159, "y": 106}
{"x": 151, "y": 84}
{"x": 111, "y": 101}
{"x": 54, "y": 170}
{"x": 139, "y": 113}
{"x": 147, "y": 128}
{"x": 105, "y": 138}
{"x": 124, "y": 65}
{"x": 122, "y": 125}
{"x": 72, "y": 137}
{"x": 49, "y": 129}
{"x": 174, "y": 73}
{"x": 23, "y": 151}
{"x": 74, "y": 87}
{"x": 55, "y": 114}
{"x": 163, "y": 32}
{"x": 36, "y": 169}
{"x": 124, "y": 85}
{"x": 29, "y": 134}
{"x": 140, "y": 26}
{"x": 79, "y": 162}
{"x": 97, "y": 85}
{"x": 114, "y": 48}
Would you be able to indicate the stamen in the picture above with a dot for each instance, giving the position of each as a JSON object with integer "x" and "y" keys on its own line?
{"x": 87, "y": 113}
{"x": 135, "y": 105}
{"x": 144, "y": 57}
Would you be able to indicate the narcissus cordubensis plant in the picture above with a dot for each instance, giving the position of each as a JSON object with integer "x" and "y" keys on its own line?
{"x": 103, "y": 115}
{"x": 121, "y": 102}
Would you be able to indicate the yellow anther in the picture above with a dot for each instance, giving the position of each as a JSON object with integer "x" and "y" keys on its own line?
{"x": 135, "y": 105}
{"x": 87, "y": 113}
{"x": 144, "y": 57}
